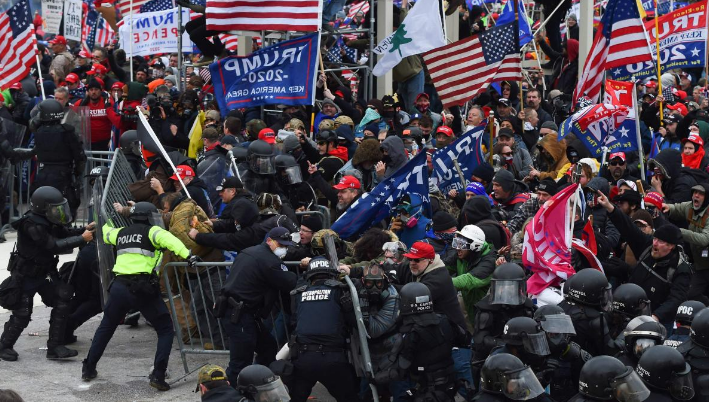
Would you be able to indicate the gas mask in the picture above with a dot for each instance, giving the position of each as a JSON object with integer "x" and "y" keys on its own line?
{"x": 375, "y": 283}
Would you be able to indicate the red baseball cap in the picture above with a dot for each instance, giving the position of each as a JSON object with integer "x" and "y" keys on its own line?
{"x": 97, "y": 68}
{"x": 654, "y": 199}
{"x": 117, "y": 85}
{"x": 695, "y": 139}
{"x": 71, "y": 77}
{"x": 347, "y": 182}
{"x": 679, "y": 106}
{"x": 421, "y": 250}
{"x": 267, "y": 135}
{"x": 58, "y": 40}
{"x": 183, "y": 171}
{"x": 444, "y": 130}
{"x": 620, "y": 155}
{"x": 424, "y": 94}
{"x": 651, "y": 84}
{"x": 85, "y": 55}
{"x": 16, "y": 85}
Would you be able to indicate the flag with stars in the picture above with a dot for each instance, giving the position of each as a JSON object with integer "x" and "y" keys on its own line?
{"x": 620, "y": 40}
{"x": 467, "y": 150}
{"x": 156, "y": 5}
{"x": 372, "y": 207}
{"x": 625, "y": 138}
{"x": 597, "y": 126}
{"x": 18, "y": 43}
{"x": 463, "y": 69}
{"x": 508, "y": 16}
{"x": 334, "y": 55}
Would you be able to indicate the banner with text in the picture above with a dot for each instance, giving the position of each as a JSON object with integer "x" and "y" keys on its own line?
{"x": 52, "y": 11}
{"x": 155, "y": 32}
{"x": 72, "y": 20}
{"x": 280, "y": 74}
{"x": 467, "y": 150}
{"x": 683, "y": 43}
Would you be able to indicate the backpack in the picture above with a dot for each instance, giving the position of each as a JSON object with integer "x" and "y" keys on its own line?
{"x": 505, "y": 234}
{"x": 446, "y": 204}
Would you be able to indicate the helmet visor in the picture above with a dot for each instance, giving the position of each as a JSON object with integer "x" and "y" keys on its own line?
{"x": 644, "y": 308}
{"x": 522, "y": 385}
{"x": 681, "y": 387}
{"x": 460, "y": 243}
{"x": 629, "y": 388}
{"x": 558, "y": 324}
{"x": 292, "y": 175}
{"x": 508, "y": 292}
{"x": 537, "y": 344}
{"x": 643, "y": 344}
{"x": 607, "y": 299}
{"x": 272, "y": 392}
{"x": 262, "y": 164}
{"x": 59, "y": 213}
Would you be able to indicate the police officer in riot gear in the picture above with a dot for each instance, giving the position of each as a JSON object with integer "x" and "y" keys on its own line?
{"x": 41, "y": 235}
{"x": 587, "y": 300}
{"x": 666, "y": 374}
{"x": 524, "y": 338}
{"x": 629, "y": 301}
{"x": 258, "y": 174}
{"x": 696, "y": 352}
{"x": 322, "y": 310}
{"x": 641, "y": 334}
{"x": 504, "y": 377}
{"x": 506, "y": 299}
{"x": 425, "y": 354}
{"x": 60, "y": 154}
{"x": 258, "y": 383}
{"x": 685, "y": 314}
{"x": 605, "y": 378}
{"x": 290, "y": 179}
{"x": 130, "y": 147}
{"x": 136, "y": 286}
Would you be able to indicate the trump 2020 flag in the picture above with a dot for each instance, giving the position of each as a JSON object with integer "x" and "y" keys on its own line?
{"x": 596, "y": 126}
{"x": 372, "y": 207}
{"x": 467, "y": 150}
{"x": 624, "y": 138}
{"x": 420, "y": 32}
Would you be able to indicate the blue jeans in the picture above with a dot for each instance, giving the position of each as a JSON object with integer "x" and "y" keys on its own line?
{"x": 410, "y": 88}
{"x": 331, "y": 8}
{"x": 461, "y": 362}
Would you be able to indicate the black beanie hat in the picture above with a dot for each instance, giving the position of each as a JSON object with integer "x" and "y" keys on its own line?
{"x": 505, "y": 179}
{"x": 669, "y": 233}
{"x": 312, "y": 222}
{"x": 443, "y": 221}
{"x": 484, "y": 171}
{"x": 548, "y": 185}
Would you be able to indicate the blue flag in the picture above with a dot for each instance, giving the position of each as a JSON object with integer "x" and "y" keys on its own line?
{"x": 91, "y": 22}
{"x": 280, "y": 74}
{"x": 508, "y": 16}
{"x": 601, "y": 125}
{"x": 467, "y": 150}
{"x": 411, "y": 179}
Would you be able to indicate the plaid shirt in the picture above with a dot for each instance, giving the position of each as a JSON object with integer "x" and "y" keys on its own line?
{"x": 526, "y": 211}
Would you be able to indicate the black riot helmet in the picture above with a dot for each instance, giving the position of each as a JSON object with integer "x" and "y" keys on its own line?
{"x": 700, "y": 329}
{"x": 288, "y": 169}
{"x": 328, "y": 136}
{"x": 607, "y": 378}
{"x": 129, "y": 142}
{"x": 142, "y": 211}
{"x": 260, "y": 157}
{"x": 630, "y": 300}
{"x": 51, "y": 111}
{"x": 687, "y": 310}
{"x": 591, "y": 288}
{"x": 508, "y": 285}
{"x": 320, "y": 266}
{"x": 49, "y": 202}
{"x": 557, "y": 325}
{"x": 505, "y": 374}
{"x": 643, "y": 333}
{"x": 258, "y": 383}
{"x": 663, "y": 367}
{"x": 415, "y": 299}
{"x": 525, "y": 331}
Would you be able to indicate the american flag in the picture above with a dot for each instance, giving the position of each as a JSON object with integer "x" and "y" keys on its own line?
{"x": 96, "y": 31}
{"x": 257, "y": 15}
{"x": 156, "y": 5}
{"x": 463, "y": 69}
{"x": 620, "y": 40}
{"x": 124, "y": 6}
{"x": 334, "y": 55}
{"x": 18, "y": 44}
{"x": 230, "y": 41}
{"x": 362, "y": 6}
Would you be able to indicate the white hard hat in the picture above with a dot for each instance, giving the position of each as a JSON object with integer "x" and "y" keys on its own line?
{"x": 475, "y": 235}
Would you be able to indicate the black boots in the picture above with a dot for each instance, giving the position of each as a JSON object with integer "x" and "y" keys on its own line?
{"x": 60, "y": 352}
{"x": 7, "y": 353}
{"x": 88, "y": 371}
{"x": 158, "y": 383}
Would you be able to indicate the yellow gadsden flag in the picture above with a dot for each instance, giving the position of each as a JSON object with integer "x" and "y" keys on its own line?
{"x": 196, "y": 136}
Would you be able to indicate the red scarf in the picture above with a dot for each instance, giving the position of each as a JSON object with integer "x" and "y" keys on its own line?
{"x": 694, "y": 160}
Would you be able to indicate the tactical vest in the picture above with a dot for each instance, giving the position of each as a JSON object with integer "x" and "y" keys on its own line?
{"x": 135, "y": 239}
{"x": 53, "y": 145}
{"x": 319, "y": 316}
{"x": 434, "y": 346}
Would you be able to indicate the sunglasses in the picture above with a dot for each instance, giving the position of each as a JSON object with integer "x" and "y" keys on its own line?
{"x": 506, "y": 153}
{"x": 416, "y": 260}
{"x": 322, "y": 142}
{"x": 616, "y": 163}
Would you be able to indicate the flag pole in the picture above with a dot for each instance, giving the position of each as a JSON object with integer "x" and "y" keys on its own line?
{"x": 521, "y": 81}
{"x": 641, "y": 151}
{"x": 130, "y": 64}
{"x": 492, "y": 135}
{"x": 178, "y": 74}
{"x": 544, "y": 23}
{"x": 657, "y": 51}
{"x": 443, "y": 23}
{"x": 39, "y": 73}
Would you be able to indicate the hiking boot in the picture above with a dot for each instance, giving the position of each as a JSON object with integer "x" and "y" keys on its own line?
{"x": 88, "y": 371}
{"x": 69, "y": 339}
{"x": 131, "y": 319}
{"x": 61, "y": 352}
{"x": 8, "y": 354}
{"x": 158, "y": 383}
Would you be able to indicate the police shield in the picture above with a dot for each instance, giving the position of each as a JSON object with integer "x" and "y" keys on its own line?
{"x": 106, "y": 257}
{"x": 14, "y": 133}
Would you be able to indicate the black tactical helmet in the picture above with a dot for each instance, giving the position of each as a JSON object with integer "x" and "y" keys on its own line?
{"x": 51, "y": 111}
{"x": 415, "y": 299}
{"x": 687, "y": 310}
{"x": 608, "y": 379}
{"x": 505, "y": 374}
{"x": 554, "y": 320}
{"x": 631, "y": 301}
{"x": 327, "y": 136}
{"x": 642, "y": 333}
{"x": 509, "y": 285}
{"x": 142, "y": 211}
{"x": 258, "y": 382}
{"x": 663, "y": 367}
{"x": 284, "y": 161}
{"x": 525, "y": 331}
{"x": 319, "y": 266}
{"x": 700, "y": 329}
{"x": 129, "y": 142}
{"x": 260, "y": 157}
{"x": 288, "y": 169}
{"x": 50, "y": 203}
{"x": 591, "y": 288}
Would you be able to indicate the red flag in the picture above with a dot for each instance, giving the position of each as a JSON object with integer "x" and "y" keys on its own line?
{"x": 589, "y": 236}
{"x": 619, "y": 93}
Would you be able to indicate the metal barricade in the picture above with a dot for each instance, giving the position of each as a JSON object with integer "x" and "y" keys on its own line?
{"x": 116, "y": 188}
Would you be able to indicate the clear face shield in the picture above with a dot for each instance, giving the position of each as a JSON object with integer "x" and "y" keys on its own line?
{"x": 272, "y": 392}
{"x": 629, "y": 387}
{"x": 59, "y": 214}
{"x": 292, "y": 175}
{"x": 558, "y": 324}
{"x": 508, "y": 292}
{"x": 522, "y": 385}
{"x": 682, "y": 387}
{"x": 607, "y": 299}
{"x": 262, "y": 164}
{"x": 536, "y": 344}
{"x": 460, "y": 243}
{"x": 643, "y": 344}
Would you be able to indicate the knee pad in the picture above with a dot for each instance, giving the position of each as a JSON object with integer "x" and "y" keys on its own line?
{"x": 63, "y": 291}
{"x": 24, "y": 309}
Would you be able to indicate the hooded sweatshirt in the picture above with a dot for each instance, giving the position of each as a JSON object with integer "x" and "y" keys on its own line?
{"x": 697, "y": 234}
{"x": 397, "y": 155}
{"x": 557, "y": 150}
{"x": 677, "y": 184}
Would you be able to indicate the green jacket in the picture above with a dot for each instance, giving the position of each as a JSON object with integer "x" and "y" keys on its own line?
{"x": 695, "y": 235}
{"x": 134, "y": 263}
{"x": 472, "y": 279}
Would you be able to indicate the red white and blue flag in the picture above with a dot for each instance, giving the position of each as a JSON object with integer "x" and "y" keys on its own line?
{"x": 260, "y": 15}
{"x": 96, "y": 31}
{"x": 18, "y": 44}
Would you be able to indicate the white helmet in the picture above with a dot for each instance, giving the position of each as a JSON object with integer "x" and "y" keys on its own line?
{"x": 474, "y": 236}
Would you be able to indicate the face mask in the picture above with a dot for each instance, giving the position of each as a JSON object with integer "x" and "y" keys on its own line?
{"x": 280, "y": 252}
{"x": 446, "y": 237}
{"x": 386, "y": 159}
{"x": 509, "y": 159}
{"x": 187, "y": 112}
{"x": 238, "y": 227}
{"x": 422, "y": 108}
{"x": 390, "y": 115}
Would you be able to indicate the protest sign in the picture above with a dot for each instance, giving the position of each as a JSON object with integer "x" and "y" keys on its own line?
{"x": 72, "y": 20}
{"x": 155, "y": 32}
{"x": 52, "y": 11}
